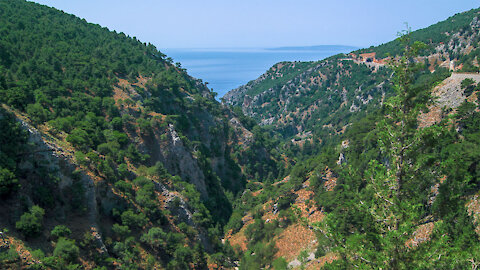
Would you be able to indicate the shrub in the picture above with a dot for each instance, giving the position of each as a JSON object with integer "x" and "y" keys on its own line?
{"x": 235, "y": 223}
{"x": 66, "y": 249}
{"x": 280, "y": 264}
{"x": 8, "y": 182}
{"x": 37, "y": 113}
{"x": 79, "y": 138}
{"x": 117, "y": 123}
{"x": 468, "y": 85}
{"x": 155, "y": 237}
{"x": 38, "y": 254}
{"x": 60, "y": 231}
{"x": 123, "y": 170}
{"x": 81, "y": 158}
{"x": 132, "y": 220}
{"x": 30, "y": 223}
{"x": 123, "y": 186}
{"x": 121, "y": 231}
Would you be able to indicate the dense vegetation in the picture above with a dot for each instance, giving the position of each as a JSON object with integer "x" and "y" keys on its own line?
{"x": 434, "y": 35}
{"x": 403, "y": 194}
{"x": 113, "y": 157}
{"x": 386, "y": 200}
{"x": 12, "y": 143}
{"x": 115, "y": 107}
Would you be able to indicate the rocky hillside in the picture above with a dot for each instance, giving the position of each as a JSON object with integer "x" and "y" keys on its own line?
{"x": 313, "y": 99}
{"x": 296, "y": 219}
{"x": 394, "y": 182}
{"x": 111, "y": 156}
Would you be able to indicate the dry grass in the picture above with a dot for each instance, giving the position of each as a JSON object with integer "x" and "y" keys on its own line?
{"x": 421, "y": 234}
{"x": 428, "y": 119}
{"x": 293, "y": 240}
{"x": 473, "y": 208}
{"x": 238, "y": 240}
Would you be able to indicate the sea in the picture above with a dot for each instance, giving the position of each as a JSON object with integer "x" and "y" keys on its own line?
{"x": 228, "y": 68}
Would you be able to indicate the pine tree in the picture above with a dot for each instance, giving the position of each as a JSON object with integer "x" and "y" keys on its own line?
{"x": 384, "y": 214}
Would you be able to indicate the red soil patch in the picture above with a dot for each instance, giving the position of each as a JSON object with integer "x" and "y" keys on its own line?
{"x": 293, "y": 240}
{"x": 269, "y": 216}
{"x": 422, "y": 234}
{"x": 304, "y": 202}
{"x": 255, "y": 194}
{"x": 26, "y": 258}
{"x": 473, "y": 97}
{"x": 159, "y": 115}
{"x": 119, "y": 94}
{"x": 432, "y": 117}
{"x": 284, "y": 180}
{"x": 247, "y": 220}
{"x": 238, "y": 240}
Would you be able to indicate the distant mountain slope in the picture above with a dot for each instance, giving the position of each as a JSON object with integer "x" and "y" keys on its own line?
{"x": 323, "y": 97}
{"x": 314, "y": 48}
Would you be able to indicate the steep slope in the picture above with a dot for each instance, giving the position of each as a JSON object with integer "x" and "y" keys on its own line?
{"x": 313, "y": 99}
{"x": 317, "y": 216}
{"x": 112, "y": 156}
{"x": 342, "y": 206}
{"x": 317, "y": 97}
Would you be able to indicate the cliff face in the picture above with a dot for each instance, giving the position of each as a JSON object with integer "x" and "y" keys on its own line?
{"x": 199, "y": 156}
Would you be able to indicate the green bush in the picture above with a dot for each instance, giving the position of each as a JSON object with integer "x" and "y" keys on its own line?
{"x": 132, "y": 220}
{"x": 38, "y": 254}
{"x": 155, "y": 237}
{"x": 124, "y": 187}
{"x": 121, "y": 231}
{"x": 60, "y": 231}
{"x": 235, "y": 223}
{"x": 30, "y": 223}
{"x": 123, "y": 170}
{"x": 280, "y": 264}
{"x": 9, "y": 255}
{"x": 79, "y": 138}
{"x": 8, "y": 181}
{"x": 66, "y": 249}
{"x": 37, "y": 113}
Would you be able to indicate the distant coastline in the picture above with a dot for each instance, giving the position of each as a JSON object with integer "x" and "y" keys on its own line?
{"x": 315, "y": 48}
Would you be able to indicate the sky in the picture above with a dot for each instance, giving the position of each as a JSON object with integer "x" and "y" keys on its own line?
{"x": 262, "y": 23}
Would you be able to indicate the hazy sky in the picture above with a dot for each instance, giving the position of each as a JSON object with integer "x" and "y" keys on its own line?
{"x": 262, "y": 23}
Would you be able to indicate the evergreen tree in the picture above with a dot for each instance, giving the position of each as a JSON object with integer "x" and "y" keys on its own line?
{"x": 386, "y": 212}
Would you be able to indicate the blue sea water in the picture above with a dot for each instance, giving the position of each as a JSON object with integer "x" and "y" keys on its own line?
{"x": 226, "y": 69}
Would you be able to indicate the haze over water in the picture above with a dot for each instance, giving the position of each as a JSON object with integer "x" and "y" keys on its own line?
{"x": 226, "y": 69}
